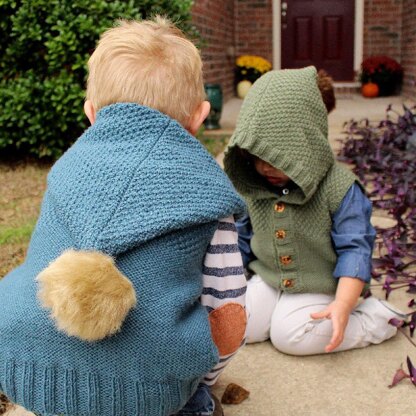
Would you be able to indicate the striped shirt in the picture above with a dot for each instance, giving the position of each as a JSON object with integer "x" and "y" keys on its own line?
{"x": 223, "y": 279}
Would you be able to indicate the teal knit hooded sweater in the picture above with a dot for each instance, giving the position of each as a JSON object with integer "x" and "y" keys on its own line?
{"x": 283, "y": 121}
{"x": 138, "y": 187}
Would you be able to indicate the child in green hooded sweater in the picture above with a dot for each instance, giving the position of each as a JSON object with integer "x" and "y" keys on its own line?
{"x": 308, "y": 240}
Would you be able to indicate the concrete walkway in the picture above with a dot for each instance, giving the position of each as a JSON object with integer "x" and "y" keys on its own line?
{"x": 351, "y": 383}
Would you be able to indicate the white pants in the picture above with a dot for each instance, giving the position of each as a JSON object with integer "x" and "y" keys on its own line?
{"x": 285, "y": 319}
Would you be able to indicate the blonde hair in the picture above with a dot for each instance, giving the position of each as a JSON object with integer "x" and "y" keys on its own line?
{"x": 149, "y": 63}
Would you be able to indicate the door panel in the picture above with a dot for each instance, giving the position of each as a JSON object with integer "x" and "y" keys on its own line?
{"x": 320, "y": 33}
{"x": 332, "y": 38}
{"x": 303, "y": 38}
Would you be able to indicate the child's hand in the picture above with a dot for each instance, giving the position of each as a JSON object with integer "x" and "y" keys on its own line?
{"x": 339, "y": 313}
{"x": 348, "y": 292}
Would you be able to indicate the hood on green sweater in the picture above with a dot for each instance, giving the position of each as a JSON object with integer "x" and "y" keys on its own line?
{"x": 283, "y": 121}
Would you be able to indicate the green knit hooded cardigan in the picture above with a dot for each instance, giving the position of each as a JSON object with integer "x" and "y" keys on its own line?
{"x": 283, "y": 121}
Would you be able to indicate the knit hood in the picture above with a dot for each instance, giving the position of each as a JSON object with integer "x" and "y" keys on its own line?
{"x": 142, "y": 169}
{"x": 283, "y": 121}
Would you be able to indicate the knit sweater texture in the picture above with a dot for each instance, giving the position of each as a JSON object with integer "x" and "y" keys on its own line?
{"x": 283, "y": 121}
{"x": 139, "y": 188}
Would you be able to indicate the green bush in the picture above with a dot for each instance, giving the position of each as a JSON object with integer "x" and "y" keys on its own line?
{"x": 44, "y": 48}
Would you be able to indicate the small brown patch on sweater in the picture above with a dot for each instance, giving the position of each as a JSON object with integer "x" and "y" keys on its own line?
{"x": 228, "y": 326}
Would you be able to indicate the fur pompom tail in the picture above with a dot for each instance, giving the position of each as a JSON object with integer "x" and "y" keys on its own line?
{"x": 87, "y": 295}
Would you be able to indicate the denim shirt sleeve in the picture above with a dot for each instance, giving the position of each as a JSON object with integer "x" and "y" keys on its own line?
{"x": 353, "y": 235}
{"x": 245, "y": 233}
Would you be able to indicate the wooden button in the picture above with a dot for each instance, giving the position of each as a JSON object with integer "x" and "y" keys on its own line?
{"x": 288, "y": 283}
{"x": 280, "y": 234}
{"x": 279, "y": 206}
{"x": 285, "y": 260}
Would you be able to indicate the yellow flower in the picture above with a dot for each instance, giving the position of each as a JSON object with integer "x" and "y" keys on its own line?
{"x": 253, "y": 61}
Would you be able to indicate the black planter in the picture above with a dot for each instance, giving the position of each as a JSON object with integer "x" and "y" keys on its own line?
{"x": 388, "y": 88}
{"x": 214, "y": 96}
{"x": 388, "y": 83}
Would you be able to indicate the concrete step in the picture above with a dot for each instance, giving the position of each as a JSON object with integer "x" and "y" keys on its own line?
{"x": 346, "y": 89}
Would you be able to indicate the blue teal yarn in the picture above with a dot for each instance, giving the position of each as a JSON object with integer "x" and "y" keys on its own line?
{"x": 138, "y": 187}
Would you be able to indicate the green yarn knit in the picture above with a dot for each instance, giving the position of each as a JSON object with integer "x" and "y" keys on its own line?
{"x": 283, "y": 121}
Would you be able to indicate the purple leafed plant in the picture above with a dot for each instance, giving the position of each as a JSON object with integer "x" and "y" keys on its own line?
{"x": 384, "y": 158}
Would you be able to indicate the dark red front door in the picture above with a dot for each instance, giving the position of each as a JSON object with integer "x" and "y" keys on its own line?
{"x": 320, "y": 33}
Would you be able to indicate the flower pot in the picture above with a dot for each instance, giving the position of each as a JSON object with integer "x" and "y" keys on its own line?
{"x": 214, "y": 96}
{"x": 388, "y": 88}
{"x": 243, "y": 87}
{"x": 384, "y": 71}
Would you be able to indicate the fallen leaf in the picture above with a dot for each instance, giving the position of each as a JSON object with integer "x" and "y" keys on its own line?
{"x": 398, "y": 377}
{"x": 234, "y": 394}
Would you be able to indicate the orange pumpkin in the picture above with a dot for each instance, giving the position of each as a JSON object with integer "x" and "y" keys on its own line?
{"x": 370, "y": 90}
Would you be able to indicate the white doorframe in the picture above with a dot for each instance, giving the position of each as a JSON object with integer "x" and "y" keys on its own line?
{"x": 358, "y": 34}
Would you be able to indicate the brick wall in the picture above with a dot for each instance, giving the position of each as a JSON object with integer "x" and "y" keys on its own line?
{"x": 383, "y": 27}
{"x": 231, "y": 28}
{"x": 409, "y": 48}
{"x": 254, "y": 28}
{"x": 215, "y": 21}
{"x": 237, "y": 27}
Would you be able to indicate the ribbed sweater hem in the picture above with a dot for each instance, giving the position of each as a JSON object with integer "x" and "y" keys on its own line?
{"x": 51, "y": 390}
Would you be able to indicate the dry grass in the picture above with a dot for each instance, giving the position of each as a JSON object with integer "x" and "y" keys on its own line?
{"x": 21, "y": 189}
{"x": 214, "y": 145}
